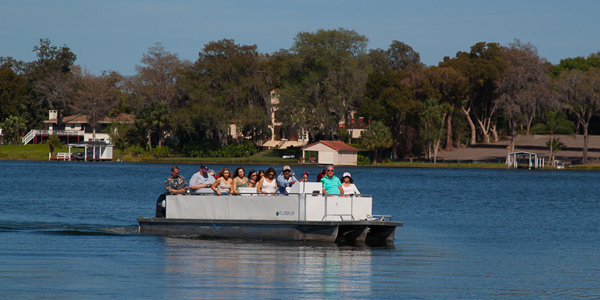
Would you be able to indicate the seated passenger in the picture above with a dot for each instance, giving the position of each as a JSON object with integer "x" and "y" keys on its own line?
{"x": 285, "y": 180}
{"x": 176, "y": 184}
{"x": 320, "y": 175}
{"x": 348, "y": 185}
{"x": 223, "y": 182}
{"x": 331, "y": 184}
{"x": 267, "y": 184}
{"x": 304, "y": 177}
{"x": 238, "y": 180}
{"x": 252, "y": 181}
{"x": 260, "y": 175}
{"x": 202, "y": 181}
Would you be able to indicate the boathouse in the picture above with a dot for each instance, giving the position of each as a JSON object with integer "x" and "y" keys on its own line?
{"x": 522, "y": 159}
{"x": 331, "y": 153}
{"x": 92, "y": 151}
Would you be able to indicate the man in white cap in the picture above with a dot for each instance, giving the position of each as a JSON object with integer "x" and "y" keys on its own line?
{"x": 201, "y": 181}
{"x": 285, "y": 180}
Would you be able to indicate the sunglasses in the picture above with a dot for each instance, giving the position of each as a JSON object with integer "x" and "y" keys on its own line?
{"x": 329, "y": 170}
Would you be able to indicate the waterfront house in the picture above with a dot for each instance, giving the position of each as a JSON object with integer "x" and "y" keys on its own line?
{"x": 74, "y": 129}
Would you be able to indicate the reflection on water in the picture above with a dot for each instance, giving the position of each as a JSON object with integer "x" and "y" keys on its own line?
{"x": 229, "y": 268}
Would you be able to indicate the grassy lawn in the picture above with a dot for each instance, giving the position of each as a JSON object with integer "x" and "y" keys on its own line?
{"x": 28, "y": 152}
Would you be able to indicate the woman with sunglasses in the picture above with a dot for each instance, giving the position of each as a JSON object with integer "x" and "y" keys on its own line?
{"x": 268, "y": 184}
{"x": 223, "y": 183}
{"x": 304, "y": 177}
{"x": 252, "y": 175}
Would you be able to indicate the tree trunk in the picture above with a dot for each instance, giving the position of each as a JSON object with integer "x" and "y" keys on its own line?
{"x": 586, "y": 139}
{"x": 529, "y": 121}
{"x": 375, "y": 156}
{"x": 471, "y": 124}
{"x": 149, "y": 137}
{"x": 551, "y": 143}
{"x": 484, "y": 130}
{"x": 495, "y": 133}
{"x": 449, "y": 132}
{"x": 435, "y": 150}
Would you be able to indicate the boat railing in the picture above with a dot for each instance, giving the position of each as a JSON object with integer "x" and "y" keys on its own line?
{"x": 385, "y": 218}
{"x": 342, "y": 207}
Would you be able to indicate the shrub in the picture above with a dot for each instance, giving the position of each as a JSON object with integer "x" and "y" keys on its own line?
{"x": 161, "y": 152}
{"x": 133, "y": 150}
{"x": 362, "y": 160}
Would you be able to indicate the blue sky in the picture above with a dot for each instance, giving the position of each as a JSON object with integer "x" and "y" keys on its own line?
{"x": 114, "y": 34}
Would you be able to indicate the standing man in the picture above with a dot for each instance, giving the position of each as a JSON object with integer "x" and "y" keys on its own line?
{"x": 285, "y": 180}
{"x": 175, "y": 183}
{"x": 202, "y": 181}
{"x": 331, "y": 184}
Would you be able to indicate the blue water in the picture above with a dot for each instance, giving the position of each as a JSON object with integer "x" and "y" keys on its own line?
{"x": 68, "y": 231}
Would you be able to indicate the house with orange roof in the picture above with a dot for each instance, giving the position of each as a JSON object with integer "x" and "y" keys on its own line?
{"x": 331, "y": 153}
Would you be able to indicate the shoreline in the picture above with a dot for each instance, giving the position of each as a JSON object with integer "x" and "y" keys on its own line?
{"x": 476, "y": 157}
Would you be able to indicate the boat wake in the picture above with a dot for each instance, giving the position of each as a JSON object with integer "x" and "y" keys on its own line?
{"x": 70, "y": 229}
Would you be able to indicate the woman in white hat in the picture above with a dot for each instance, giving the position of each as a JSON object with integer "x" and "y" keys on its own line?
{"x": 348, "y": 185}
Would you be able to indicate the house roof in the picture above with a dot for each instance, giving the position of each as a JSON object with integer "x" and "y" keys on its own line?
{"x": 335, "y": 145}
{"x": 83, "y": 119}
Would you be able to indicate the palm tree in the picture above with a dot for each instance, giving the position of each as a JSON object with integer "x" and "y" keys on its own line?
{"x": 556, "y": 123}
{"x": 53, "y": 143}
{"x": 375, "y": 138}
{"x": 555, "y": 146}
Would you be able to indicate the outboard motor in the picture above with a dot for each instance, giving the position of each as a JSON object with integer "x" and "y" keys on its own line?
{"x": 161, "y": 210}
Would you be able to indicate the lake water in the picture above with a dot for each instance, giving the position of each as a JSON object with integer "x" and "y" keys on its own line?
{"x": 68, "y": 230}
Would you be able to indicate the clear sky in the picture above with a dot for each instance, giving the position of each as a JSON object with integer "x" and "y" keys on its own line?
{"x": 113, "y": 34}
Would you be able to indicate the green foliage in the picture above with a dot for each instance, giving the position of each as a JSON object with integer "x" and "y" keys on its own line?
{"x": 363, "y": 160}
{"x": 13, "y": 90}
{"x": 343, "y": 135}
{"x": 325, "y": 77}
{"x": 13, "y": 129}
{"x": 160, "y": 152}
{"x": 393, "y": 98}
{"x": 119, "y": 134}
{"x": 53, "y": 143}
{"x": 214, "y": 149}
{"x": 399, "y": 56}
{"x": 228, "y": 82}
{"x": 133, "y": 150}
{"x": 577, "y": 63}
{"x": 376, "y": 138}
{"x": 557, "y": 145}
{"x": 555, "y": 122}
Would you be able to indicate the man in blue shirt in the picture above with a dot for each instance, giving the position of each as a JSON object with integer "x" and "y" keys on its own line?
{"x": 201, "y": 181}
{"x": 285, "y": 180}
{"x": 331, "y": 184}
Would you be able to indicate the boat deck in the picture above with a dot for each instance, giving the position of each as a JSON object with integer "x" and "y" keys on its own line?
{"x": 325, "y": 231}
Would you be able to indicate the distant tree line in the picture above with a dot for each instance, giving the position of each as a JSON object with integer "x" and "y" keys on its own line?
{"x": 326, "y": 78}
